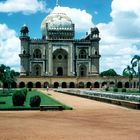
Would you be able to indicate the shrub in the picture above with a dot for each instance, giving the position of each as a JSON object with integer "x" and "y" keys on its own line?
{"x": 124, "y": 90}
{"x": 35, "y": 101}
{"x": 107, "y": 89}
{"x": 115, "y": 89}
{"x": 24, "y": 90}
{"x": 18, "y": 98}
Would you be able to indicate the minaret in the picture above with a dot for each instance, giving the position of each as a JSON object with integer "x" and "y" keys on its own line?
{"x": 24, "y": 55}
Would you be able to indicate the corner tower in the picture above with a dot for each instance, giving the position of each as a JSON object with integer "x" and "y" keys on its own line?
{"x": 24, "y": 54}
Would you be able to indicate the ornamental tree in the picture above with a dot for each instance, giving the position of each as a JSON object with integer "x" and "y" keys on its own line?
{"x": 136, "y": 62}
{"x": 129, "y": 72}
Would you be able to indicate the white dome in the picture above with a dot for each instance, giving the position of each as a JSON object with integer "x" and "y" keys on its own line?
{"x": 56, "y": 21}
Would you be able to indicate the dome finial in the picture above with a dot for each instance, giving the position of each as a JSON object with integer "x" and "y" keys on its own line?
{"x": 57, "y": 3}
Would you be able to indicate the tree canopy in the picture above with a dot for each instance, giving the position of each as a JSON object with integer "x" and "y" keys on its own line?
{"x": 110, "y": 72}
{"x": 7, "y": 75}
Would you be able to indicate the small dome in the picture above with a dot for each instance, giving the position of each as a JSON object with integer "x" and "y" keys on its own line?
{"x": 24, "y": 29}
{"x": 56, "y": 21}
{"x": 95, "y": 30}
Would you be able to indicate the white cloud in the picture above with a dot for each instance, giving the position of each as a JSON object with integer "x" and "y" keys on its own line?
{"x": 24, "y": 6}
{"x": 120, "y": 36}
{"x": 9, "y": 47}
{"x": 81, "y": 19}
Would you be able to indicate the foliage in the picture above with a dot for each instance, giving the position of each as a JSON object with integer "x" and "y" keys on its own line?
{"x": 115, "y": 89}
{"x": 107, "y": 89}
{"x": 110, "y": 72}
{"x": 35, "y": 101}
{"x": 136, "y": 62}
{"x": 129, "y": 72}
{"x": 123, "y": 89}
{"x": 18, "y": 98}
{"x": 7, "y": 75}
{"x": 24, "y": 90}
{"x": 45, "y": 100}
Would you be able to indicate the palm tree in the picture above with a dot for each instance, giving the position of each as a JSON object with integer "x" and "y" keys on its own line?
{"x": 128, "y": 71}
{"x": 136, "y": 62}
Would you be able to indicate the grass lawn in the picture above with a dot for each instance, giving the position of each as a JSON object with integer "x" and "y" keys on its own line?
{"x": 45, "y": 100}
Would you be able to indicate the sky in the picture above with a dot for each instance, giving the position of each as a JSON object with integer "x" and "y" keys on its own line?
{"x": 118, "y": 22}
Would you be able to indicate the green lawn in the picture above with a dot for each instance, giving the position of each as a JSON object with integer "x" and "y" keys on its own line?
{"x": 45, "y": 100}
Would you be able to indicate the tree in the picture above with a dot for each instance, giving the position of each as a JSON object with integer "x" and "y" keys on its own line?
{"x": 136, "y": 62}
{"x": 110, "y": 72}
{"x": 129, "y": 72}
{"x": 7, "y": 75}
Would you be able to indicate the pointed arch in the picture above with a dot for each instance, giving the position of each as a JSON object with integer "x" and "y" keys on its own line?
{"x": 96, "y": 85}
{"x": 104, "y": 83}
{"x": 38, "y": 85}
{"x": 37, "y": 53}
{"x": 37, "y": 70}
{"x": 81, "y": 85}
{"x": 14, "y": 85}
{"x": 56, "y": 85}
{"x": 46, "y": 84}
{"x": 126, "y": 84}
{"x": 82, "y": 54}
{"x": 60, "y": 62}
{"x": 119, "y": 85}
{"x": 71, "y": 85}
{"x": 21, "y": 85}
{"x": 82, "y": 71}
{"x": 64, "y": 85}
{"x": 29, "y": 85}
{"x": 89, "y": 84}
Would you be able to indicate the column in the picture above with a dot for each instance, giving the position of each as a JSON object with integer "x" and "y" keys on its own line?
{"x": 50, "y": 60}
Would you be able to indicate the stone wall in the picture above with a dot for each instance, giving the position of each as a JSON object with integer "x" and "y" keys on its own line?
{"x": 74, "y": 82}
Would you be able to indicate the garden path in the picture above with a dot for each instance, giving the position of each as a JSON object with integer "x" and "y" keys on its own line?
{"x": 89, "y": 120}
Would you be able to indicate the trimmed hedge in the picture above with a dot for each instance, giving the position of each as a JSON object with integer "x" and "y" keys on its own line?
{"x": 115, "y": 89}
{"x": 35, "y": 101}
{"x": 123, "y": 89}
{"x": 18, "y": 98}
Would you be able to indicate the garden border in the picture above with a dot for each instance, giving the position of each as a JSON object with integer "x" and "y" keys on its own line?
{"x": 124, "y": 103}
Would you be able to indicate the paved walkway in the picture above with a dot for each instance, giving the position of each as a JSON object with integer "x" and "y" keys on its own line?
{"x": 90, "y": 120}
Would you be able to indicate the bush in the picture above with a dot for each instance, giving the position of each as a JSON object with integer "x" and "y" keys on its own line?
{"x": 24, "y": 90}
{"x": 35, "y": 101}
{"x": 18, "y": 98}
{"x": 124, "y": 90}
{"x": 107, "y": 89}
{"x": 115, "y": 89}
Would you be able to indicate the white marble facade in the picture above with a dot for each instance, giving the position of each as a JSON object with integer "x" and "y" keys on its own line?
{"x": 58, "y": 53}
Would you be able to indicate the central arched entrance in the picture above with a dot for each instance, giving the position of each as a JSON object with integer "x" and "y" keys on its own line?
{"x": 59, "y": 71}
{"x": 60, "y": 62}
{"x": 82, "y": 71}
{"x": 37, "y": 70}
